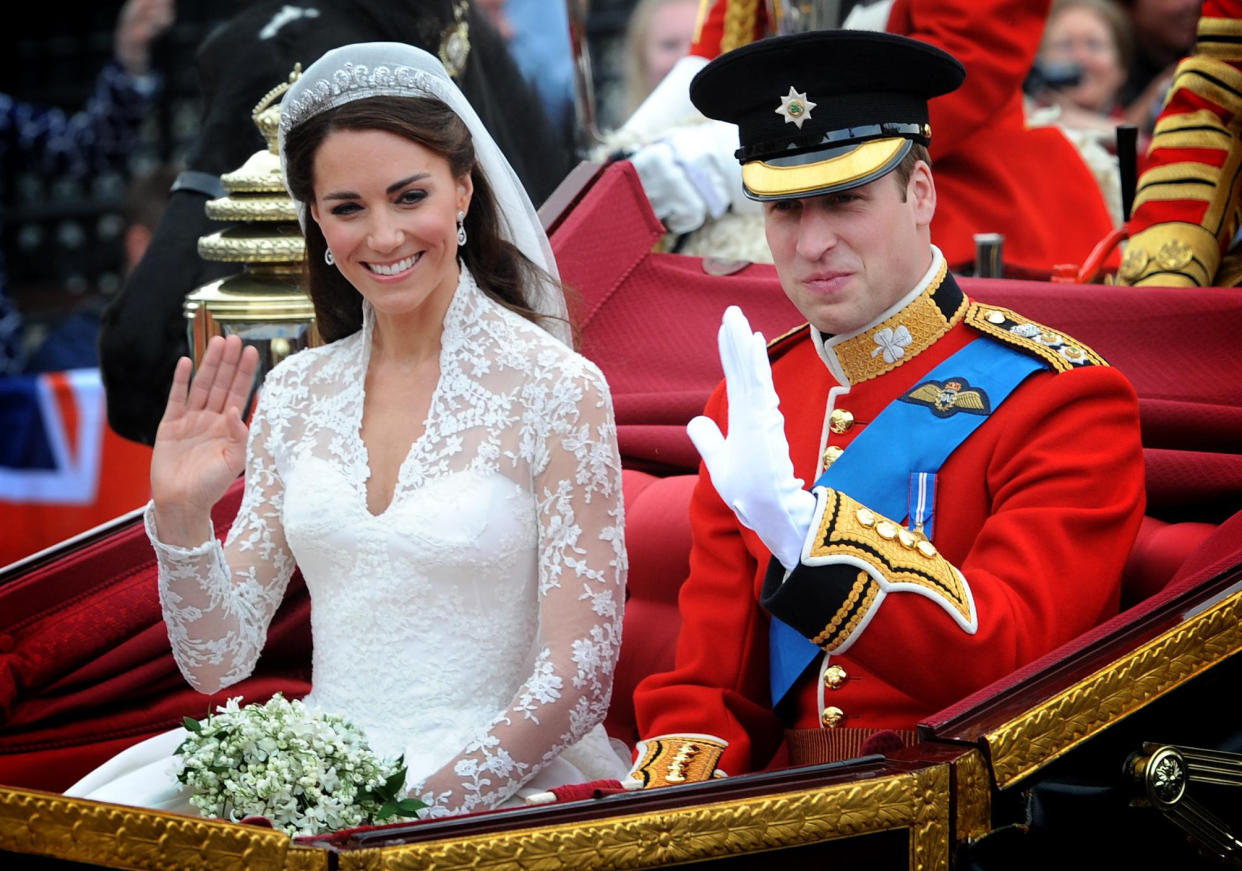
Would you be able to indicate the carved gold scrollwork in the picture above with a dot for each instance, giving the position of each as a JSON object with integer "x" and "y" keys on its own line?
{"x": 135, "y": 838}
{"x": 972, "y": 796}
{"x": 918, "y": 801}
{"x": 113, "y": 836}
{"x": 1051, "y": 729}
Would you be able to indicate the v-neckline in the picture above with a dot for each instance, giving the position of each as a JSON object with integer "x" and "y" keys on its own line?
{"x": 368, "y": 330}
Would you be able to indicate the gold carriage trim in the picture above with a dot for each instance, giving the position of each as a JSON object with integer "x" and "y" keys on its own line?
{"x": 673, "y": 759}
{"x": 1060, "y": 351}
{"x": 847, "y": 528}
{"x": 116, "y": 836}
{"x": 973, "y": 788}
{"x": 917, "y": 803}
{"x": 1048, "y": 731}
{"x": 899, "y": 338}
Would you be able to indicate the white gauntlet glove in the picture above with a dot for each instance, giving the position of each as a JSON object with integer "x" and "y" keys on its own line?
{"x": 686, "y": 163}
{"x": 691, "y": 175}
{"x": 751, "y": 469}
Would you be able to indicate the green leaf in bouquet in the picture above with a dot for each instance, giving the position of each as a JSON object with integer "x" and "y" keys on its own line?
{"x": 191, "y": 724}
{"x": 404, "y": 807}
{"x": 392, "y": 786}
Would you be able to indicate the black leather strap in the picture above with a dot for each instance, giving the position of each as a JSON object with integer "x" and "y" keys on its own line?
{"x": 199, "y": 182}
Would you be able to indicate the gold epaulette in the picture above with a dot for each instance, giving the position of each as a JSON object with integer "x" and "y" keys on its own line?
{"x": 671, "y": 759}
{"x": 781, "y": 344}
{"x": 1057, "y": 349}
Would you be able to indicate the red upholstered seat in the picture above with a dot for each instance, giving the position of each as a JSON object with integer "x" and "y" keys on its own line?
{"x": 657, "y": 537}
{"x": 1159, "y": 551}
{"x": 85, "y": 664}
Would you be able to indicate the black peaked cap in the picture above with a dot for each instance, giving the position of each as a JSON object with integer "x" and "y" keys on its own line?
{"x": 847, "y": 87}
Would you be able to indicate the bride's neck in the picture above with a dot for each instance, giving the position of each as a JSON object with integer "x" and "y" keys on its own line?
{"x": 404, "y": 344}
{"x": 408, "y": 339}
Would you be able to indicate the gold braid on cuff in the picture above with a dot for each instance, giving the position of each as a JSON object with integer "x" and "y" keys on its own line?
{"x": 846, "y": 528}
{"x": 672, "y": 759}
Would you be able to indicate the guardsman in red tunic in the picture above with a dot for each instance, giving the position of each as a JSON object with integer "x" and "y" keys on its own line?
{"x": 977, "y": 478}
{"x": 1188, "y": 206}
{"x": 994, "y": 173}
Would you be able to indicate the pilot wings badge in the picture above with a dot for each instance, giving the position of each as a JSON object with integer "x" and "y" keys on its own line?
{"x": 947, "y": 399}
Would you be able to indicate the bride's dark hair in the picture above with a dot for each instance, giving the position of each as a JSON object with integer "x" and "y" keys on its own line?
{"x": 500, "y": 269}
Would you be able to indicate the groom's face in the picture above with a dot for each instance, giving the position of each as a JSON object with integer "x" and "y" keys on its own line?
{"x": 846, "y": 257}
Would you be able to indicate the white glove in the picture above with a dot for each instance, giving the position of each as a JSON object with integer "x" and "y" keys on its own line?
{"x": 868, "y": 16}
{"x": 751, "y": 469}
{"x": 691, "y": 175}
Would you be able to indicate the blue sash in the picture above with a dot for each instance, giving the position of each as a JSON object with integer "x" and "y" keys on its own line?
{"x": 905, "y": 438}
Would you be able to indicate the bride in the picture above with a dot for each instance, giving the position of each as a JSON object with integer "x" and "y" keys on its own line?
{"x": 444, "y": 470}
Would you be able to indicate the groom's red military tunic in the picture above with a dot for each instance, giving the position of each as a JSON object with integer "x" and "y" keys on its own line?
{"x": 1038, "y": 509}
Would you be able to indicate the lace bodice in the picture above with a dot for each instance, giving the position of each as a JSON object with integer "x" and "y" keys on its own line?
{"x": 474, "y": 624}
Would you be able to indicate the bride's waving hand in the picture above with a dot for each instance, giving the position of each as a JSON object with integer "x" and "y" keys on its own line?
{"x": 200, "y": 446}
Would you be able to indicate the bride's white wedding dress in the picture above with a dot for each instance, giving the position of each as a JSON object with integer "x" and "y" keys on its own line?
{"x": 474, "y": 624}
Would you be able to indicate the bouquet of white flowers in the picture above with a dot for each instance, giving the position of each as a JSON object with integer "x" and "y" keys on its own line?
{"x": 306, "y": 773}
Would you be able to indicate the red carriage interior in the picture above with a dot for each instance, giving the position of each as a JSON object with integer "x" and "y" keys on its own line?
{"x": 85, "y": 667}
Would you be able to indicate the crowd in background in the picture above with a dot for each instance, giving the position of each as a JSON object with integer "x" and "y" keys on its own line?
{"x": 1107, "y": 62}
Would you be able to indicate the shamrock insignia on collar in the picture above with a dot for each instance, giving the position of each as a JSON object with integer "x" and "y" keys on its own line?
{"x": 947, "y": 399}
{"x": 795, "y": 108}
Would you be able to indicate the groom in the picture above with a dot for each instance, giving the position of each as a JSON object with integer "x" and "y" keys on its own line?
{"x": 978, "y": 478}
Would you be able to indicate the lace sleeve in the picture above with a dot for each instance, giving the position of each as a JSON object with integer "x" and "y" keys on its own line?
{"x": 217, "y": 601}
{"x": 582, "y": 569}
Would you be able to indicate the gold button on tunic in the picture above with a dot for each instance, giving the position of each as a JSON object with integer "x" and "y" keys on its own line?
{"x": 832, "y": 717}
{"x": 834, "y": 677}
{"x": 840, "y": 421}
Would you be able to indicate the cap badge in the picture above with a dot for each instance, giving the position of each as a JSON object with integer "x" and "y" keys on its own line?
{"x": 795, "y": 108}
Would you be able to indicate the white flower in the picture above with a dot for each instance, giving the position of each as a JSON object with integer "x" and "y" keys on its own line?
{"x": 892, "y": 343}
{"x": 307, "y": 773}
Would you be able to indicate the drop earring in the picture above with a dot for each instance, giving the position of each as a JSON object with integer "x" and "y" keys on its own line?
{"x": 461, "y": 229}
{"x": 328, "y": 258}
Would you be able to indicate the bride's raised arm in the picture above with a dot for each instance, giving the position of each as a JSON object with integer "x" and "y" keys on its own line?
{"x": 582, "y": 571}
{"x": 218, "y": 601}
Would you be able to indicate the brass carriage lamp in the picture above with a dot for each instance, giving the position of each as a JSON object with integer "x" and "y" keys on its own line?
{"x": 266, "y": 303}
